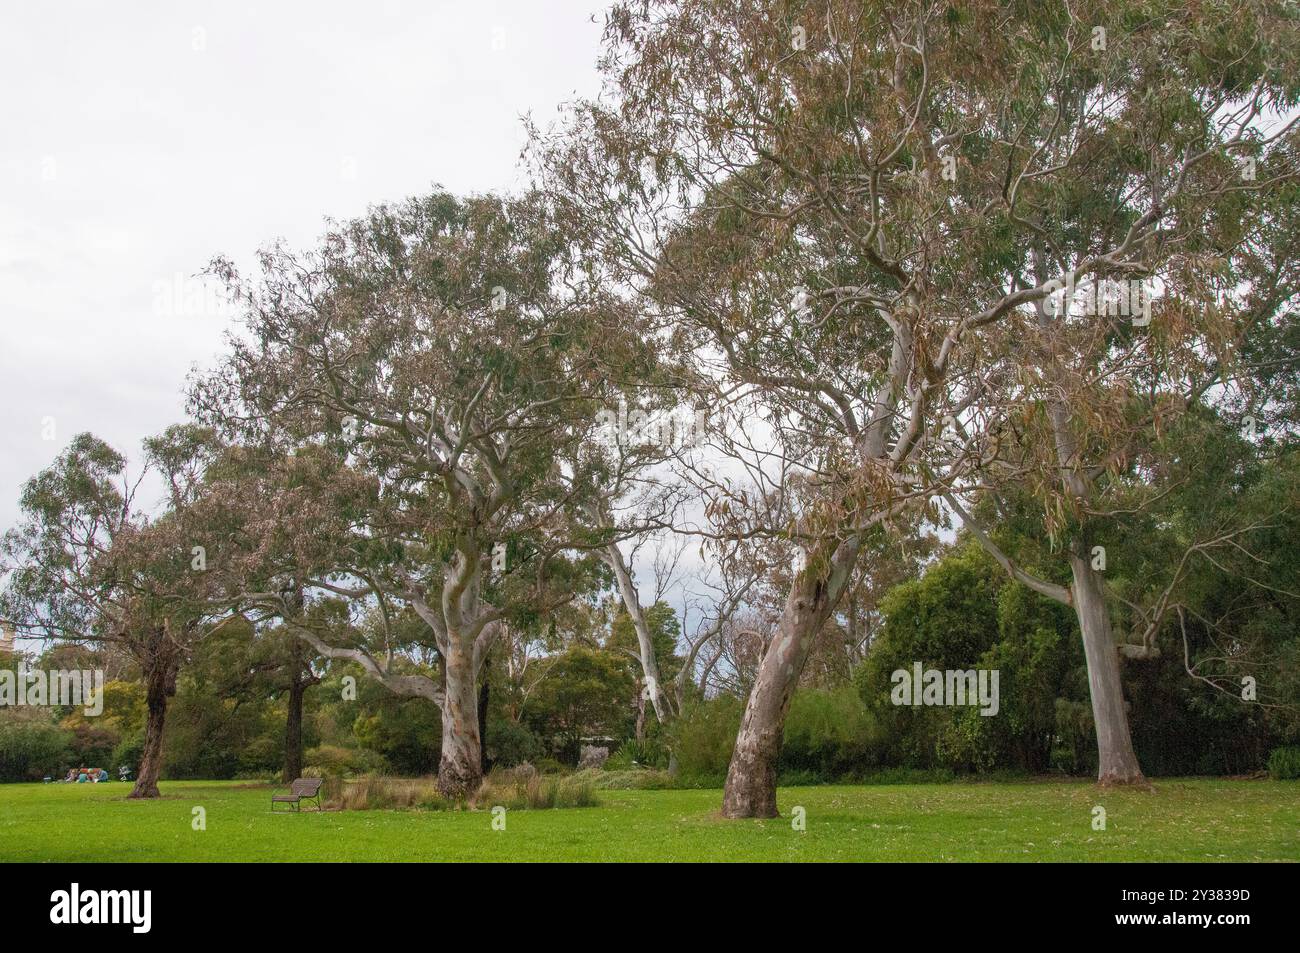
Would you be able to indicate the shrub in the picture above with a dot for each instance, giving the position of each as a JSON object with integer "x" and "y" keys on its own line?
{"x": 406, "y": 733}
{"x": 31, "y": 745}
{"x": 261, "y": 777}
{"x": 261, "y": 756}
{"x": 513, "y": 789}
{"x": 510, "y": 743}
{"x": 375, "y": 792}
{"x": 574, "y": 791}
{"x": 829, "y": 735}
{"x": 91, "y": 743}
{"x": 636, "y": 755}
{"x": 704, "y": 736}
{"x": 1284, "y": 764}
{"x": 968, "y": 741}
{"x": 333, "y": 761}
{"x": 536, "y": 792}
{"x": 1075, "y": 747}
{"x": 637, "y": 779}
{"x": 128, "y": 752}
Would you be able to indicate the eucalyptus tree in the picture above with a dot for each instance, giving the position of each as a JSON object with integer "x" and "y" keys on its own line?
{"x": 86, "y": 564}
{"x": 447, "y": 351}
{"x": 1182, "y": 166}
{"x": 842, "y": 202}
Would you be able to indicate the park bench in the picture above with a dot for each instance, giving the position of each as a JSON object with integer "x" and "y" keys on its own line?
{"x": 304, "y": 789}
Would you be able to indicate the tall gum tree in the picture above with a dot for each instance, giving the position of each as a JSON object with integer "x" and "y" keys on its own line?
{"x": 1163, "y": 255}
{"x": 448, "y": 350}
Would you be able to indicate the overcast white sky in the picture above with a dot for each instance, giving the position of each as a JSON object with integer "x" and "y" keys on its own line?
{"x": 140, "y": 140}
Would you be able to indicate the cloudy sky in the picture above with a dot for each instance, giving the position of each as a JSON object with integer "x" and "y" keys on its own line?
{"x": 142, "y": 139}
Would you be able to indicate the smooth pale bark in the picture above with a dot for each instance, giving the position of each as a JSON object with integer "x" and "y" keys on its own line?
{"x": 1116, "y": 761}
{"x": 750, "y": 790}
{"x": 460, "y": 767}
{"x": 460, "y": 770}
{"x": 645, "y": 641}
{"x": 160, "y": 685}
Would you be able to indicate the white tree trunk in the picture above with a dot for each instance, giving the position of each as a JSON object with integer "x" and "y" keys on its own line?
{"x": 645, "y": 642}
{"x": 1116, "y": 761}
{"x": 460, "y": 769}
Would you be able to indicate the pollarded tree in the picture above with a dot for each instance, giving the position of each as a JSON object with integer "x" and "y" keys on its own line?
{"x": 446, "y": 347}
{"x": 86, "y": 566}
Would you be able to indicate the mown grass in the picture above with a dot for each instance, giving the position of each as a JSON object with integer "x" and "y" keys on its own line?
{"x": 1183, "y": 820}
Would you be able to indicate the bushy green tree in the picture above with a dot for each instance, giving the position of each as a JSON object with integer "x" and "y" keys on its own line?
{"x": 582, "y": 692}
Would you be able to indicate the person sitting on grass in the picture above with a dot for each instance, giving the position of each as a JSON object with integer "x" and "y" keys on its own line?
{"x": 81, "y": 776}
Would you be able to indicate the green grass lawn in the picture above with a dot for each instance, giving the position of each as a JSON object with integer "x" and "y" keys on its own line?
{"x": 1184, "y": 820}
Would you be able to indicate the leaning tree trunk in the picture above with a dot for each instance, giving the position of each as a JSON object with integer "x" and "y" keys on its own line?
{"x": 160, "y": 685}
{"x": 751, "y": 777}
{"x": 1116, "y": 761}
{"x": 460, "y": 770}
{"x": 645, "y": 641}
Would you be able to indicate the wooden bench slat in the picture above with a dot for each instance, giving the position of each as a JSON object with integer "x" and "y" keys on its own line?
{"x": 301, "y": 789}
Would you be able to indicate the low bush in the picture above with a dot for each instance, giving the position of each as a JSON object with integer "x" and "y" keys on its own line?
{"x": 536, "y": 792}
{"x": 635, "y": 779}
{"x": 513, "y": 789}
{"x": 128, "y": 753}
{"x": 510, "y": 743}
{"x": 332, "y": 761}
{"x": 1284, "y": 764}
{"x": 829, "y": 736}
{"x": 92, "y": 743}
{"x": 375, "y": 792}
{"x": 633, "y": 755}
